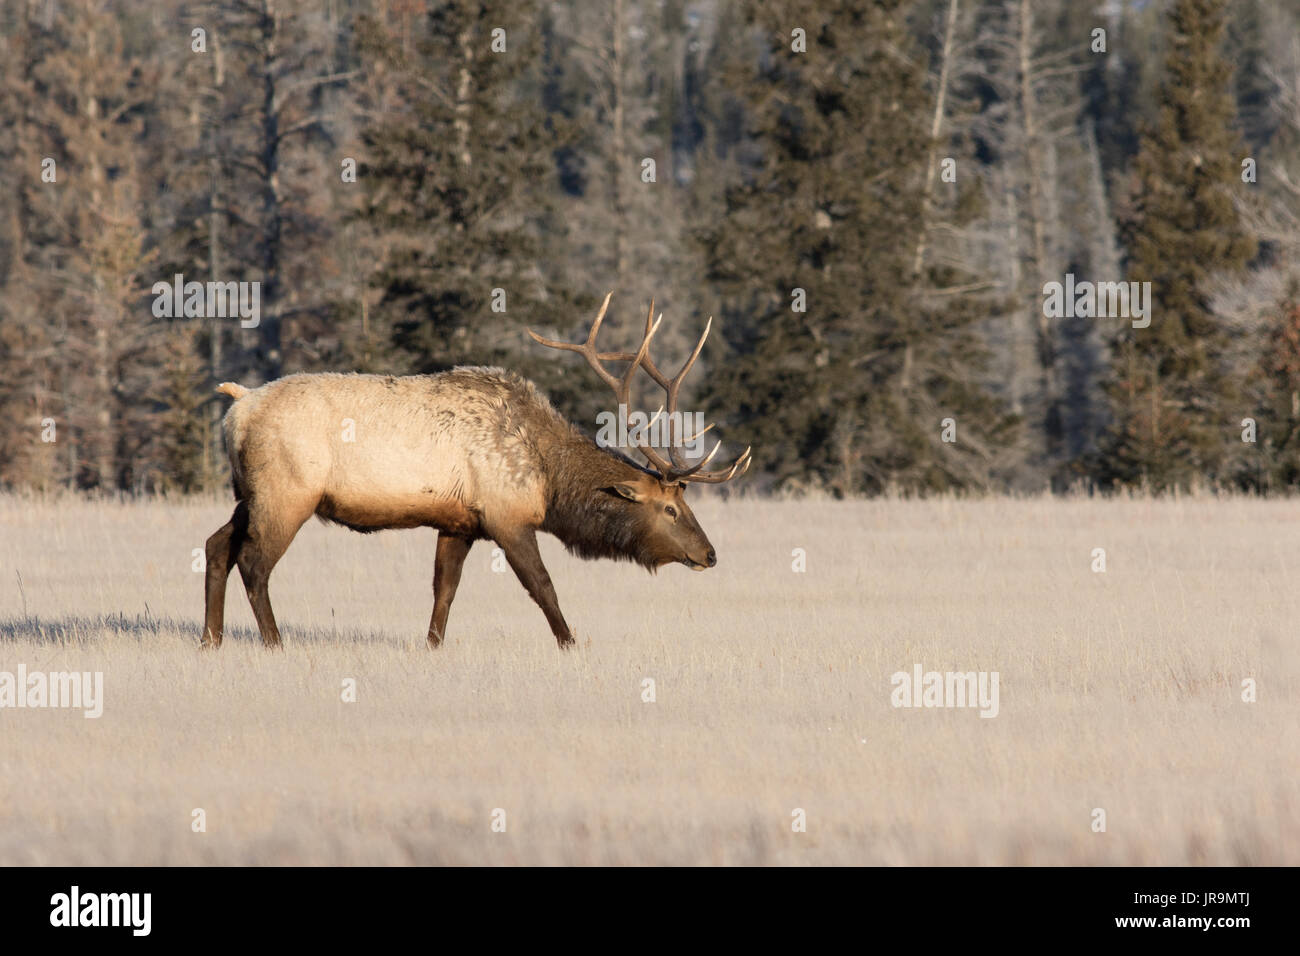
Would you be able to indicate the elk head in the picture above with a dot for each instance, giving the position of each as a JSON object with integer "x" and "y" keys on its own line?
{"x": 662, "y": 525}
{"x": 652, "y": 521}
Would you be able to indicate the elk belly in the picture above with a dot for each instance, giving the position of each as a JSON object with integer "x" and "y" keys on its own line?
{"x": 370, "y": 492}
{"x": 377, "y": 512}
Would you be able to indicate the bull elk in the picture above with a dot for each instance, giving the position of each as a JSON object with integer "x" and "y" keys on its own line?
{"x": 474, "y": 453}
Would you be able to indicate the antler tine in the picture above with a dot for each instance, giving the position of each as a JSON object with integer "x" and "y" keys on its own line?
{"x": 671, "y": 386}
{"x": 702, "y": 432}
{"x": 650, "y": 454}
{"x": 586, "y": 349}
{"x": 695, "y": 354}
{"x": 662, "y": 380}
{"x": 681, "y": 473}
{"x": 675, "y": 471}
{"x": 674, "y": 387}
{"x": 652, "y": 370}
{"x": 600, "y": 317}
{"x": 680, "y": 469}
{"x": 625, "y": 385}
{"x": 675, "y": 468}
{"x": 621, "y": 386}
{"x": 664, "y": 468}
{"x": 714, "y": 477}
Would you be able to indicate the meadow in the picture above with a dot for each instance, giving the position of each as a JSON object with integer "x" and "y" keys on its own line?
{"x": 1120, "y": 690}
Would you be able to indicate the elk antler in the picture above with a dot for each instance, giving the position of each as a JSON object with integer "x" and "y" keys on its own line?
{"x": 678, "y": 469}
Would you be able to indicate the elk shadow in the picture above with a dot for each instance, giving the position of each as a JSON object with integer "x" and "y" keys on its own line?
{"x": 87, "y": 628}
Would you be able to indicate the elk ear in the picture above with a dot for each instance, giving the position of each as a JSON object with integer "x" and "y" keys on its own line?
{"x": 624, "y": 490}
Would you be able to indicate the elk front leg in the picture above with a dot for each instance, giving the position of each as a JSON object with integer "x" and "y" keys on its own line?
{"x": 446, "y": 577}
{"x": 521, "y": 551}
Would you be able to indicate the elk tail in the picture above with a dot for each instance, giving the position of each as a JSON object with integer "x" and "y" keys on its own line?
{"x": 232, "y": 389}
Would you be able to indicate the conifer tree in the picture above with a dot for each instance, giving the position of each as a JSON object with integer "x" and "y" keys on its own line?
{"x": 457, "y": 180}
{"x": 837, "y": 373}
{"x": 1171, "y": 395}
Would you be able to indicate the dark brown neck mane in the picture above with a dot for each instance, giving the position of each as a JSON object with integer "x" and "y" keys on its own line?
{"x": 592, "y": 521}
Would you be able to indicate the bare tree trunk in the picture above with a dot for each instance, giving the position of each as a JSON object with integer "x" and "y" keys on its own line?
{"x": 618, "y": 154}
{"x": 1021, "y": 333}
{"x": 463, "y": 86}
{"x": 1029, "y": 111}
{"x": 1104, "y": 254}
{"x": 936, "y": 126}
{"x": 213, "y": 446}
{"x": 931, "y": 168}
{"x": 104, "y": 443}
{"x": 269, "y": 327}
{"x": 1034, "y": 166}
{"x": 105, "y": 440}
{"x": 365, "y": 328}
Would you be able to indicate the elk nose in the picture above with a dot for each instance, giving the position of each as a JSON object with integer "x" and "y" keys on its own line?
{"x": 711, "y": 558}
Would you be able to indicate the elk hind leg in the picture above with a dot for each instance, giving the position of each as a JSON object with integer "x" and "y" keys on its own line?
{"x": 269, "y": 536}
{"x": 221, "y": 551}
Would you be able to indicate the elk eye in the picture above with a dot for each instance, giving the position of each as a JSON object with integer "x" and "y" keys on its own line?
{"x": 670, "y": 511}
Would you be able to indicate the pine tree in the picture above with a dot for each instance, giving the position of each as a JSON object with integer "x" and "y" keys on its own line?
{"x": 269, "y": 113}
{"x": 1170, "y": 389}
{"x": 1279, "y": 414}
{"x": 83, "y": 255}
{"x": 183, "y": 431}
{"x": 457, "y": 181}
{"x": 838, "y": 375}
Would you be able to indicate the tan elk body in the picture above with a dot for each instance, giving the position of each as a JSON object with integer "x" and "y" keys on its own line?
{"x": 474, "y": 453}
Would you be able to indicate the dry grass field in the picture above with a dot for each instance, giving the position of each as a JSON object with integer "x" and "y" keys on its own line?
{"x": 1119, "y": 690}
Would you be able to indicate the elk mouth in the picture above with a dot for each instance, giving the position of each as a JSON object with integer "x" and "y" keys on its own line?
{"x": 709, "y": 561}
